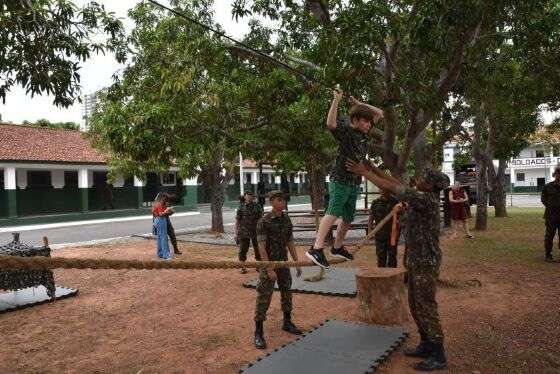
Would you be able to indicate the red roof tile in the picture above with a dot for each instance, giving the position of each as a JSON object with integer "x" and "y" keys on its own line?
{"x": 249, "y": 163}
{"x": 29, "y": 143}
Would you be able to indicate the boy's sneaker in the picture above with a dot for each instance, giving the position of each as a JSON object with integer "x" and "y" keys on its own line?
{"x": 548, "y": 258}
{"x": 342, "y": 253}
{"x": 318, "y": 257}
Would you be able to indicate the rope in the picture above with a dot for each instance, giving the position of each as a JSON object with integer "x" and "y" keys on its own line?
{"x": 50, "y": 263}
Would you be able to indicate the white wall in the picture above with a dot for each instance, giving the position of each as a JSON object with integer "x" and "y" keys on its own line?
{"x": 531, "y": 176}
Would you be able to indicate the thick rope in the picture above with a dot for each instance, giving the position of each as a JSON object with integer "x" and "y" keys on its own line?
{"x": 49, "y": 263}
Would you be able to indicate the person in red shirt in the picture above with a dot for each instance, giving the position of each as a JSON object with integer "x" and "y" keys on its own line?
{"x": 160, "y": 211}
{"x": 459, "y": 213}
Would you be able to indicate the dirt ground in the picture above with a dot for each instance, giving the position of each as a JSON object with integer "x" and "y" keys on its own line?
{"x": 171, "y": 321}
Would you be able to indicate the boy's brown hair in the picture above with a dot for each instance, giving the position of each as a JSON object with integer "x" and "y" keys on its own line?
{"x": 359, "y": 112}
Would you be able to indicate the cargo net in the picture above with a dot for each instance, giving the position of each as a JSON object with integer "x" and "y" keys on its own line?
{"x": 13, "y": 280}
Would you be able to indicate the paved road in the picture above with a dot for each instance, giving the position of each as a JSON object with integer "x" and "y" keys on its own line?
{"x": 108, "y": 230}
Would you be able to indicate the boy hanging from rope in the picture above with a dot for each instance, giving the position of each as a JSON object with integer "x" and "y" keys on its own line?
{"x": 343, "y": 188}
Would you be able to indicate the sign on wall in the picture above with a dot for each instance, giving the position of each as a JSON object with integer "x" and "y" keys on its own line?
{"x": 535, "y": 162}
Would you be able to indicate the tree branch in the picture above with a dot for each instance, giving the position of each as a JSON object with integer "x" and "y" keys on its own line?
{"x": 450, "y": 74}
{"x": 319, "y": 9}
{"x": 303, "y": 62}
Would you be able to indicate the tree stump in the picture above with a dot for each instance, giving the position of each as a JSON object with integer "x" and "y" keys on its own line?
{"x": 381, "y": 296}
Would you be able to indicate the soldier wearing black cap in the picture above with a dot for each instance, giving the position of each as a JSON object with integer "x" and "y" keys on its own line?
{"x": 423, "y": 257}
{"x": 550, "y": 198}
{"x": 248, "y": 214}
{"x": 274, "y": 233}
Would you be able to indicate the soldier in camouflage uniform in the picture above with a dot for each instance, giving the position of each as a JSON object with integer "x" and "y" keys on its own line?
{"x": 274, "y": 233}
{"x": 246, "y": 220}
{"x": 423, "y": 257}
{"x": 550, "y": 198}
{"x": 380, "y": 208}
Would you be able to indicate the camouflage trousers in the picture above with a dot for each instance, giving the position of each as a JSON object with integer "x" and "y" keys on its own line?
{"x": 386, "y": 253}
{"x": 552, "y": 226}
{"x": 265, "y": 287}
{"x": 422, "y": 301}
{"x": 244, "y": 243}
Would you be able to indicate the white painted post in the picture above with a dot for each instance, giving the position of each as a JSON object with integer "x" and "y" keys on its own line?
{"x": 10, "y": 178}
{"x": 241, "y": 176}
{"x": 83, "y": 178}
{"x": 83, "y": 186}
{"x": 138, "y": 182}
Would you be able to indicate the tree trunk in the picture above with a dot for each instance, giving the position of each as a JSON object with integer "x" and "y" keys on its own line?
{"x": 498, "y": 191}
{"x": 481, "y": 176}
{"x": 381, "y": 296}
{"x": 481, "y": 223}
{"x": 316, "y": 183}
{"x": 217, "y": 182}
{"x": 419, "y": 153}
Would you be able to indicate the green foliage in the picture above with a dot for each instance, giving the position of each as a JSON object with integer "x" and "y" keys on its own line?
{"x": 462, "y": 157}
{"x": 403, "y": 55}
{"x": 43, "y": 43}
{"x": 181, "y": 98}
{"x": 53, "y": 125}
{"x": 512, "y": 78}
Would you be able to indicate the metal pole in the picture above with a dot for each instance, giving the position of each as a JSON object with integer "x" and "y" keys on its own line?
{"x": 241, "y": 176}
{"x": 511, "y": 195}
{"x": 366, "y": 195}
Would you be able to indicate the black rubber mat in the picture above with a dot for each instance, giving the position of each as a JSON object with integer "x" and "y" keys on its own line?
{"x": 337, "y": 282}
{"x": 31, "y": 296}
{"x": 333, "y": 347}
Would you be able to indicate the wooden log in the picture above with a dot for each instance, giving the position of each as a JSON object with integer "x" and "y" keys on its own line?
{"x": 381, "y": 295}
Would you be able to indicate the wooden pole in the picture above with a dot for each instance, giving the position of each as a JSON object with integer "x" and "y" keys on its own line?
{"x": 378, "y": 227}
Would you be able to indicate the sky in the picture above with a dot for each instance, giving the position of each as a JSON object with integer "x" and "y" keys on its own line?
{"x": 96, "y": 73}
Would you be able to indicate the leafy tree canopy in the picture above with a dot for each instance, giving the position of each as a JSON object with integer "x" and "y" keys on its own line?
{"x": 43, "y": 43}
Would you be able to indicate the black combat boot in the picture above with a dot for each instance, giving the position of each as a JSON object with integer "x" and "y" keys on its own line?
{"x": 436, "y": 360}
{"x": 289, "y": 326}
{"x": 423, "y": 350}
{"x": 260, "y": 343}
{"x": 176, "y": 249}
{"x": 548, "y": 258}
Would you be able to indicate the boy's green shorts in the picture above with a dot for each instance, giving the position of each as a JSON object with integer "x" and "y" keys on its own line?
{"x": 342, "y": 201}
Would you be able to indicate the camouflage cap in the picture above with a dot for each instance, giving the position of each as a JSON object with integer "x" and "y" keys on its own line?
{"x": 437, "y": 179}
{"x": 276, "y": 194}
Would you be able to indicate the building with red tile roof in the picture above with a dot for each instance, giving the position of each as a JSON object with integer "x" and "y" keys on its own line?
{"x": 30, "y": 143}
{"x": 49, "y": 171}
